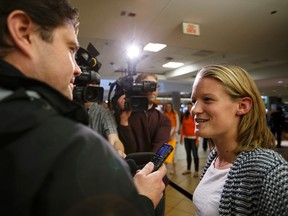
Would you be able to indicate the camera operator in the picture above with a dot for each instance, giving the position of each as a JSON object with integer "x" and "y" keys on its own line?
{"x": 50, "y": 165}
{"x": 144, "y": 131}
{"x": 88, "y": 93}
{"x": 103, "y": 121}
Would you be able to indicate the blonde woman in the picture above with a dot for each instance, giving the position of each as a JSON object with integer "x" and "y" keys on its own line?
{"x": 243, "y": 175}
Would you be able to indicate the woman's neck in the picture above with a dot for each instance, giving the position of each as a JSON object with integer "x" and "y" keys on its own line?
{"x": 226, "y": 152}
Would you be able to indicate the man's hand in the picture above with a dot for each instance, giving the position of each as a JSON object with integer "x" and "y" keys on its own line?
{"x": 124, "y": 116}
{"x": 121, "y": 153}
{"x": 150, "y": 184}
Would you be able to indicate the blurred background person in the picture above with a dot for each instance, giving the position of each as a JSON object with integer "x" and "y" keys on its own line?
{"x": 191, "y": 141}
{"x": 205, "y": 144}
{"x": 173, "y": 116}
{"x": 277, "y": 122}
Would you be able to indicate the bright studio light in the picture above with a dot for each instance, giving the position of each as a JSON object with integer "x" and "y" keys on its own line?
{"x": 133, "y": 51}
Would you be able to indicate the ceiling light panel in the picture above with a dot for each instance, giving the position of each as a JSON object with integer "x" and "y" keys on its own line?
{"x": 173, "y": 64}
{"x": 154, "y": 47}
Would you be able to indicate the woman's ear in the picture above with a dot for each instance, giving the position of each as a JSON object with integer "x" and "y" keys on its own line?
{"x": 244, "y": 106}
{"x": 20, "y": 27}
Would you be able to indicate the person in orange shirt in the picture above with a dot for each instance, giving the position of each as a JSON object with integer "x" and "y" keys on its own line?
{"x": 172, "y": 115}
{"x": 190, "y": 141}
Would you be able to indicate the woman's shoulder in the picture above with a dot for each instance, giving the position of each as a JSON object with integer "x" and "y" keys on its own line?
{"x": 260, "y": 159}
{"x": 262, "y": 153}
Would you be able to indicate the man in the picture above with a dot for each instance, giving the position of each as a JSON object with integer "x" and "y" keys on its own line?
{"x": 144, "y": 131}
{"x": 50, "y": 164}
{"x": 103, "y": 121}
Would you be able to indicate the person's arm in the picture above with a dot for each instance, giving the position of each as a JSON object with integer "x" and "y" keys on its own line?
{"x": 109, "y": 129}
{"x": 182, "y": 132}
{"x": 124, "y": 115}
{"x": 124, "y": 131}
{"x": 113, "y": 138}
{"x": 175, "y": 130}
{"x": 163, "y": 133}
{"x": 127, "y": 138}
{"x": 177, "y": 122}
{"x": 197, "y": 141}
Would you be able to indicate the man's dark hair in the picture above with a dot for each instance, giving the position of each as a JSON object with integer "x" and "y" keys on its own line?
{"x": 47, "y": 14}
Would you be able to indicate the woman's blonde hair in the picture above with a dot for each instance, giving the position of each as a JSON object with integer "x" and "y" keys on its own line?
{"x": 252, "y": 130}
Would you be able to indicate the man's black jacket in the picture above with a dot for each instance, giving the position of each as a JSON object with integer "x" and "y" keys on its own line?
{"x": 51, "y": 163}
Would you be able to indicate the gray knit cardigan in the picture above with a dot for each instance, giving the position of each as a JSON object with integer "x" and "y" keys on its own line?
{"x": 257, "y": 184}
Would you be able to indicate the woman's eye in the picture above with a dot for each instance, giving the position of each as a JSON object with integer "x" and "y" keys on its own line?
{"x": 207, "y": 100}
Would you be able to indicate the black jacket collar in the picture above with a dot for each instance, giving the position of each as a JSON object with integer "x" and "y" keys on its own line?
{"x": 12, "y": 79}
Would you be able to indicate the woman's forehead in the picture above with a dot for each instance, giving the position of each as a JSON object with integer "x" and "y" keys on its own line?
{"x": 207, "y": 85}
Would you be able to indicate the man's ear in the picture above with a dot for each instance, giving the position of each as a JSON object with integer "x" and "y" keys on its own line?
{"x": 20, "y": 27}
{"x": 244, "y": 106}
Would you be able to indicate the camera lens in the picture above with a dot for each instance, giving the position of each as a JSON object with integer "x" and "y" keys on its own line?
{"x": 94, "y": 94}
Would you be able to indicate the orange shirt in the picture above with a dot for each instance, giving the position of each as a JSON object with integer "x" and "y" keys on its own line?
{"x": 172, "y": 117}
{"x": 188, "y": 127}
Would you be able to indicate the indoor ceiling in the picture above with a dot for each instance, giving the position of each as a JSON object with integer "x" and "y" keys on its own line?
{"x": 250, "y": 33}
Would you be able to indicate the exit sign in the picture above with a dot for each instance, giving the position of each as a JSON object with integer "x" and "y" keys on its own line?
{"x": 191, "y": 28}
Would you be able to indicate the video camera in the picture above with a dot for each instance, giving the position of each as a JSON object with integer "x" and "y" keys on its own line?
{"x": 134, "y": 100}
{"x": 87, "y": 61}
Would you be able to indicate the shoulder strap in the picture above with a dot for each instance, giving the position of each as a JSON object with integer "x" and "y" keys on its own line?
{"x": 15, "y": 100}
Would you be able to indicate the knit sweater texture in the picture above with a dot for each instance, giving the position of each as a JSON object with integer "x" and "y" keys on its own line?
{"x": 257, "y": 184}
